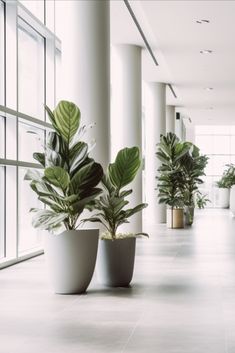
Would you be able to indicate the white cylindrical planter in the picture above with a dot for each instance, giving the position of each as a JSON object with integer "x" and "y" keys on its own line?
{"x": 71, "y": 258}
{"x": 170, "y": 118}
{"x": 232, "y": 200}
{"x": 85, "y": 36}
{"x": 155, "y": 119}
{"x": 126, "y": 126}
{"x": 223, "y": 197}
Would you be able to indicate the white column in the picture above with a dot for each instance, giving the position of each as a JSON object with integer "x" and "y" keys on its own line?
{"x": 84, "y": 29}
{"x": 170, "y": 118}
{"x": 155, "y": 126}
{"x": 126, "y": 129}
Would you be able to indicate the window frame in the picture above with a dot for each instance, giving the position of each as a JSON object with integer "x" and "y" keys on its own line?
{"x": 9, "y": 110}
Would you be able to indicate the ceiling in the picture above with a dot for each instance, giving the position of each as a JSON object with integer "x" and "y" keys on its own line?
{"x": 177, "y": 39}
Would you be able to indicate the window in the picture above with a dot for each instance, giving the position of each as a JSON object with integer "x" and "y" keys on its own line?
{"x": 30, "y": 71}
{"x": 218, "y": 142}
{"x": 2, "y": 53}
{"x": 29, "y": 237}
{"x": 2, "y": 212}
{"x": 31, "y": 48}
{"x": 29, "y": 135}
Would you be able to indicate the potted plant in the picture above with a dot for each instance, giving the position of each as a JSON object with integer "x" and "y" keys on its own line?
{"x": 193, "y": 165}
{"x": 116, "y": 253}
{"x": 224, "y": 185}
{"x": 66, "y": 184}
{"x": 171, "y": 178}
{"x": 201, "y": 200}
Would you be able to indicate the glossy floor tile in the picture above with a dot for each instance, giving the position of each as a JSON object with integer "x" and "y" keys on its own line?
{"x": 182, "y": 299}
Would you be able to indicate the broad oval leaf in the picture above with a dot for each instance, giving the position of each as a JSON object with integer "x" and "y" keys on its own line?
{"x": 124, "y": 169}
{"x": 78, "y": 154}
{"x": 67, "y": 119}
{"x": 57, "y": 176}
{"x": 87, "y": 177}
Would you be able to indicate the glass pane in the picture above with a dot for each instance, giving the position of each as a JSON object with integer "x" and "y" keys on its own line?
{"x": 29, "y": 237}
{"x": 219, "y": 163}
{"x": 2, "y": 83}
{"x": 58, "y": 74}
{"x": 30, "y": 71}
{"x": 232, "y": 129}
{"x": 202, "y": 129}
{"x": 221, "y": 145}
{"x": 2, "y": 212}
{"x": 233, "y": 145}
{"x": 220, "y": 130}
{"x": 36, "y": 7}
{"x": 205, "y": 143}
{"x": 29, "y": 136}
{"x": 2, "y": 137}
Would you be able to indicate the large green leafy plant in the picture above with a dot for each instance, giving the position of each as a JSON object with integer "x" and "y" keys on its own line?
{"x": 193, "y": 165}
{"x": 228, "y": 178}
{"x": 111, "y": 204}
{"x": 68, "y": 179}
{"x": 171, "y": 180}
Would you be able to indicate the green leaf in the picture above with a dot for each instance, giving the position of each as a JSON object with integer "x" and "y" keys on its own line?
{"x": 124, "y": 169}
{"x": 130, "y": 212}
{"x": 86, "y": 177}
{"x": 77, "y": 155}
{"x": 39, "y": 157}
{"x": 79, "y": 205}
{"x": 47, "y": 220}
{"x": 57, "y": 176}
{"x": 67, "y": 119}
{"x": 33, "y": 174}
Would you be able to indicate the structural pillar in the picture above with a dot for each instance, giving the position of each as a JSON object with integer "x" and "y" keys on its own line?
{"x": 85, "y": 37}
{"x": 170, "y": 118}
{"x": 155, "y": 126}
{"x": 126, "y": 129}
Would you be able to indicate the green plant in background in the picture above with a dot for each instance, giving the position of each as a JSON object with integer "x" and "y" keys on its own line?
{"x": 193, "y": 166}
{"x": 67, "y": 183}
{"x": 111, "y": 204}
{"x": 201, "y": 200}
{"x": 228, "y": 178}
{"x": 171, "y": 179}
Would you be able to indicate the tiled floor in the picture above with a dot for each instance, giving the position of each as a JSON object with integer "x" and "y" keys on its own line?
{"x": 182, "y": 300}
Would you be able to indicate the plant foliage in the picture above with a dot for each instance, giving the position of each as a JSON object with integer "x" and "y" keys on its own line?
{"x": 170, "y": 177}
{"x": 68, "y": 180}
{"x": 228, "y": 178}
{"x": 193, "y": 166}
{"x": 201, "y": 200}
{"x": 111, "y": 204}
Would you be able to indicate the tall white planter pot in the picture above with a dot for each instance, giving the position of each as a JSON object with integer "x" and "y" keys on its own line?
{"x": 232, "y": 200}
{"x": 71, "y": 258}
{"x": 223, "y": 197}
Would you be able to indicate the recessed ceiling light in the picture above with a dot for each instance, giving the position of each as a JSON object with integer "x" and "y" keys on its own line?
{"x": 202, "y": 21}
{"x": 206, "y": 51}
{"x": 209, "y": 88}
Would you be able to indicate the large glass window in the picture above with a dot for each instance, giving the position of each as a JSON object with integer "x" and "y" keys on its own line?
{"x": 2, "y": 53}
{"x": 29, "y": 237}
{"x": 218, "y": 142}
{"x": 29, "y": 135}
{"x": 2, "y": 212}
{"x": 31, "y": 91}
{"x": 31, "y": 61}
